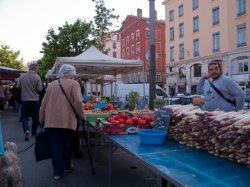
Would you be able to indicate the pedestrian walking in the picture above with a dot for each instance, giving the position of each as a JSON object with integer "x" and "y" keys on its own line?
{"x": 30, "y": 85}
{"x": 61, "y": 105}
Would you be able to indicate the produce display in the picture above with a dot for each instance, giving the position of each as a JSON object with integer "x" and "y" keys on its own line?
{"x": 90, "y": 105}
{"x": 121, "y": 123}
{"x": 224, "y": 134}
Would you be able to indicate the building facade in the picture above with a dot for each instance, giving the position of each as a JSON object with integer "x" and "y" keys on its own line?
{"x": 135, "y": 45}
{"x": 199, "y": 31}
{"x": 112, "y": 44}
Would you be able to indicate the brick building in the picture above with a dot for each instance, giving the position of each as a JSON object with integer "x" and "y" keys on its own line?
{"x": 135, "y": 45}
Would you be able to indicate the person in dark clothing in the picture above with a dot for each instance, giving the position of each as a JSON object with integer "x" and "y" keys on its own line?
{"x": 12, "y": 100}
{"x": 41, "y": 94}
{"x": 75, "y": 139}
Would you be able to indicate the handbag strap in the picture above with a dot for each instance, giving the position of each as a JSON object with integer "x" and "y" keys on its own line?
{"x": 221, "y": 94}
{"x": 67, "y": 98}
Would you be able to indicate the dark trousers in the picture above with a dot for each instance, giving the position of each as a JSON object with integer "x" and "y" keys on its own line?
{"x": 30, "y": 108}
{"x": 75, "y": 140}
{"x": 60, "y": 145}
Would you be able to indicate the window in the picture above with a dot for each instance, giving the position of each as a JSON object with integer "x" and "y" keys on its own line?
{"x": 123, "y": 54}
{"x": 241, "y": 31}
{"x": 241, "y": 7}
{"x": 181, "y": 11}
{"x": 243, "y": 66}
{"x": 197, "y": 70}
{"x": 216, "y": 16}
{"x": 158, "y": 78}
{"x": 182, "y": 72}
{"x": 118, "y": 37}
{"x": 127, "y": 52}
{"x": 172, "y": 53}
{"x": 114, "y": 45}
{"x": 132, "y": 50}
{"x": 171, "y": 33}
{"x": 132, "y": 38}
{"x": 195, "y": 4}
{"x": 147, "y": 33}
{"x": 196, "y": 24}
{"x": 171, "y": 15}
{"x": 181, "y": 51}
{"x": 137, "y": 35}
{"x": 196, "y": 47}
{"x": 216, "y": 42}
{"x": 114, "y": 54}
{"x": 127, "y": 40}
{"x": 123, "y": 42}
{"x": 181, "y": 30}
{"x": 138, "y": 48}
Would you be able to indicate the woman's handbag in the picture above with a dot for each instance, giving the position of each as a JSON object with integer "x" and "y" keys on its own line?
{"x": 42, "y": 146}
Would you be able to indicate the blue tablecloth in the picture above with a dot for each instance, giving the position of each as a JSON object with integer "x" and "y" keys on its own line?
{"x": 186, "y": 166}
{"x": 1, "y": 142}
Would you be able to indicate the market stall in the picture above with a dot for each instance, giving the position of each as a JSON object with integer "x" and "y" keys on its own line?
{"x": 7, "y": 73}
{"x": 92, "y": 64}
{"x": 192, "y": 164}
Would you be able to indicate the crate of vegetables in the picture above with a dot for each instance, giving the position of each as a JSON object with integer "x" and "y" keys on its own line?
{"x": 121, "y": 123}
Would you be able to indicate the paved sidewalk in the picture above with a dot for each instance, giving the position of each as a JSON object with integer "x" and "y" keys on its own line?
{"x": 126, "y": 169}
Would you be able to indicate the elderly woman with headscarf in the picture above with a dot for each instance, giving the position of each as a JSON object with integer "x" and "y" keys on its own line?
{"x": 59, "y": 119}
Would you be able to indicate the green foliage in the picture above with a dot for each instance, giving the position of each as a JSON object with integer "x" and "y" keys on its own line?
{"x": 71, "y": 40}
{"x": 9, "y": 58}
{"x": 133, "y": 97}
{"x": 102, "y": 22}
{"x": 158, "y": 103}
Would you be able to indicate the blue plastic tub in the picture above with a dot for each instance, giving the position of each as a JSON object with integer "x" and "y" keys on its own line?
{"x": 152, "y": 136}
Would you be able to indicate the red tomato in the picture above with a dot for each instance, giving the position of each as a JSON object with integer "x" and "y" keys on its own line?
{"x": 151, "y": 118}
{"x": 115, "y": 122}
{"x": 123, "y": 116}
{"x": 121, "y": 120}
{"x": 116, "y": 116}
{"x": 110, "y": 119}
{"x": 129, "y": 122}
{"x": 142, "y": 122}
{"x": 135, "y": 119}
{"x": 145, "y": 117}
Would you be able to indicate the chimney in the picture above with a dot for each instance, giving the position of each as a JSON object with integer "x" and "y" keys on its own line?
{"x": 139, "y": 12}
{"x": 155, "y": 15}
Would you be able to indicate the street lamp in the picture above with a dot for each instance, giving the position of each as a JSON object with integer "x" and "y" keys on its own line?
{"x": 152, "y": 68}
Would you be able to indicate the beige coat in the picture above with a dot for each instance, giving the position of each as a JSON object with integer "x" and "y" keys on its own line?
{"x": 55, "y": 111}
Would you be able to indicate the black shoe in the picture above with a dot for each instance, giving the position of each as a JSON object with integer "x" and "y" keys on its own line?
{"x": 78, "y": 154}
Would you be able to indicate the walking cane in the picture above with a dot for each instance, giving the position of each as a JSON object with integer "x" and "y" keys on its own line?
{"x": 87, "y": 143}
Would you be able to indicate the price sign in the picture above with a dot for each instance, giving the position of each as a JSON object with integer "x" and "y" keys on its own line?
{"x": 163, "y": 119}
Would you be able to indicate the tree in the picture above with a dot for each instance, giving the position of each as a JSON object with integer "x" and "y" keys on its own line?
{"x": 9, "y": 57}
{"x": 102, "y": 22}
{"x": 71, "y": 40}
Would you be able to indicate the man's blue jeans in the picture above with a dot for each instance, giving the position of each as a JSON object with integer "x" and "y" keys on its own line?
{"x": 30, "y": 108}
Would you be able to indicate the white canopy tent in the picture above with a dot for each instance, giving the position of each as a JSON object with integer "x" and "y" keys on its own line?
{"x": 93, "y": 63}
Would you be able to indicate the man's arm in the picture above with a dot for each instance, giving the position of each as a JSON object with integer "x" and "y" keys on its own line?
{"x": 39, "y": 85}
{"x": 200, "y": 86}
{"x": 238, "y": 94}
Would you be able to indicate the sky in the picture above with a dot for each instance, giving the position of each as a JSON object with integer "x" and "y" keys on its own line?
{"x": 25, "y": 23}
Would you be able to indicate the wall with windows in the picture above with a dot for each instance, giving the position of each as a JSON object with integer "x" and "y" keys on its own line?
{"x": 113, "y": 44}
{"x": 135, "y": 45}
{"x": 199, "y": 31}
